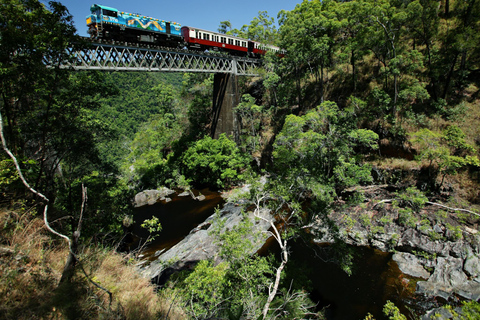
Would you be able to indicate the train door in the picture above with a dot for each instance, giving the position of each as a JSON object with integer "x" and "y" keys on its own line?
{"x": 251, "y": 46}
{"x": 168, "y": 28}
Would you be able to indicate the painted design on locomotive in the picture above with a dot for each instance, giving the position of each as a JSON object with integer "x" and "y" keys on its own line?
{"x": 132, "y": 23}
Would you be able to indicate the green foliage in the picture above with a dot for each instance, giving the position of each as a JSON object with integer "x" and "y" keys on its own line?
{"x": 50, "y": 124}
{"x": 470, "y": 310}
{"x": 214, "y": 162}
{"x": 251, "y": 118}
{"x": 406, "y": 218}
{"x": 198, "y": 90}
{"x": 455, "y": 232}
{"x": 445, "y": 152}
{"x": 392, "y": 312}
{"x": 412, "y": 198}
{"x": 148, "y": 162}
{"x": 204, "y": 288}
{"x": 152, "y": 225}
{"x": 316, "y": 151}
{"x": 261, "y": 29}
{"x": 238, "y": 283}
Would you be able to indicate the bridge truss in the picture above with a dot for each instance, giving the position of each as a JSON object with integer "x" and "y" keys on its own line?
{"x": 108, "y": 57}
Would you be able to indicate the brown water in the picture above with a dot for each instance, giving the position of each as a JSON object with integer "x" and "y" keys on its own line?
{"x": 375, "y": 278}
{"x": 178, "y": 217}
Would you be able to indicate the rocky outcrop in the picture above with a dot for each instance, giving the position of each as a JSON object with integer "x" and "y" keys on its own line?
{"x": 201, "y": 244}
{"x": 445, "y": 267}
{"x": 150, "y": 197}
{"x": 410, "y": 264}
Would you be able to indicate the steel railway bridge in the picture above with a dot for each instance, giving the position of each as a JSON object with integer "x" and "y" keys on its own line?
{"x": 115, "y": 57}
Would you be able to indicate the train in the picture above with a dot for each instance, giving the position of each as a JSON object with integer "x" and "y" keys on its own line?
{"x": 109, "y": 24}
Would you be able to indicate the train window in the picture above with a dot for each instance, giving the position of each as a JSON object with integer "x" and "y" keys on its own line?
{"x": 196, "y": 34}
{"x": 230, "y": 41}
{"x": 109, "y": 13}
{"x": 223, "y": 39}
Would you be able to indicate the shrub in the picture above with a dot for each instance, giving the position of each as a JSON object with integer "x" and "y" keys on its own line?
{"x": 214, "y": 162}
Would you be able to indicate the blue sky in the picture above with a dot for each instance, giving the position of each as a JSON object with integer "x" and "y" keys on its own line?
{"x": 204, "y": 14}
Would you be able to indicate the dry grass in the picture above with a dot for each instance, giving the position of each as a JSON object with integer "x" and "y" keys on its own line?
{"x": 396, "y": 164}
{"x": 30, "y": 269}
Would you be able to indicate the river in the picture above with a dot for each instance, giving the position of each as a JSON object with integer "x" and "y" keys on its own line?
{"x": 374, "y": 280}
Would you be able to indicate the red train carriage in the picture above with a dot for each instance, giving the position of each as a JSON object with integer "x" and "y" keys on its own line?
{"x": 207, "y": 40}
{"x": 203, "y": 39}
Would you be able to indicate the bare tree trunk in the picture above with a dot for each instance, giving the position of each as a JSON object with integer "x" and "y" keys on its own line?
{"x": 69, "y": 269}
{"x": 273, "y": 288}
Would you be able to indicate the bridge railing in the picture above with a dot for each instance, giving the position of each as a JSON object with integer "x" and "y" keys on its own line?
{"x": 109, "y": 57}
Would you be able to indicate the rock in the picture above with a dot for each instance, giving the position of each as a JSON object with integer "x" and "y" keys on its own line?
{"x": 438, "y": 228}
{"x": 149, "y": 197}
{"x": 200, "y": 198}
{"x": 200, "y": 243}
{"x": 411, "y": 265}
{"x": 472, "y": 266}
{"x": 449, "y": 278}
{"x": 413, "y": 240}
{"x": 438, "y": 314}
{"x": 184, "y": 194}
{"x": 470, "y": 230}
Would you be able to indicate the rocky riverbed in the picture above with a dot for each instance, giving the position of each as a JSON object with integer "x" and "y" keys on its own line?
{"x": 433, "y": 246}
{"x": 441, "y": 254}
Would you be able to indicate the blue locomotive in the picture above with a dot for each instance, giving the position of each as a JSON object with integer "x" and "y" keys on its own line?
{"x": 110, "y": 24}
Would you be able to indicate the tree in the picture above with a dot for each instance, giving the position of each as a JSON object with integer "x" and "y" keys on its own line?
{"x": 216, "y": 163}
{"x": 148, "y": 164}
{"x": 261, "y": 29}
{"x": 446, "y": 152}
{"x": 309, "y": 31}
{"x": 315, "y": 152}
{"x": 224, "y": 25}
{"x": 251, "y": 117}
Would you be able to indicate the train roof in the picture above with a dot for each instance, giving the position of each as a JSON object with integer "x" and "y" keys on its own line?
{"x": 99, "y": 6}
{"x": 216, "y": 32}
{"x": 95, "y": 6}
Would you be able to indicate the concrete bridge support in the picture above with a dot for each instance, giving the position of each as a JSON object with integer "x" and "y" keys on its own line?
{"x": 225, "y": 99}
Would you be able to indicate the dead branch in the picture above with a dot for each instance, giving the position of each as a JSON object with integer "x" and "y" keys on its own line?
{"x": 433, "y": 204}
{"x": 453, "y": 209}
{"x": 273, "y": 288}
{"x": 383, "y": 201}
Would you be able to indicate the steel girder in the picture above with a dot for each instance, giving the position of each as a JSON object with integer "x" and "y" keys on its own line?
{"x": 109, "y": 57}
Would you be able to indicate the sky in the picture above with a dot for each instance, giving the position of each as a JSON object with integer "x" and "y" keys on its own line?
{"x": 203, "y": 14}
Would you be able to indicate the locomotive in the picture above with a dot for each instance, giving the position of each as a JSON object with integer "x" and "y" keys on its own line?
{"x": 106, "y": 23}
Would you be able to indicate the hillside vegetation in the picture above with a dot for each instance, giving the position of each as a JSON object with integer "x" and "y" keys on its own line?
{"x": 370, "y": 94}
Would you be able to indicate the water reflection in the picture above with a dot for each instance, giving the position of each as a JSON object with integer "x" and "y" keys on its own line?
{"x": 178, "y": 217}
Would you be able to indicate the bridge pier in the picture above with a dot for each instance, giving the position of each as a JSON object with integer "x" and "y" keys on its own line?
{"x": 225, "y": 99}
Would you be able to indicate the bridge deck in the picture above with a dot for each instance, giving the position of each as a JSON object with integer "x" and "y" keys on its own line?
{"x": 110, "y": 57}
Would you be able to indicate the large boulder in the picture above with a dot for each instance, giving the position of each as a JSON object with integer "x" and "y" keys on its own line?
{"x": 449, "y": 278}
{"x": 201, "y": 244}
{"x": 150, "y": 197}
{"x": 411, "y": 265}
